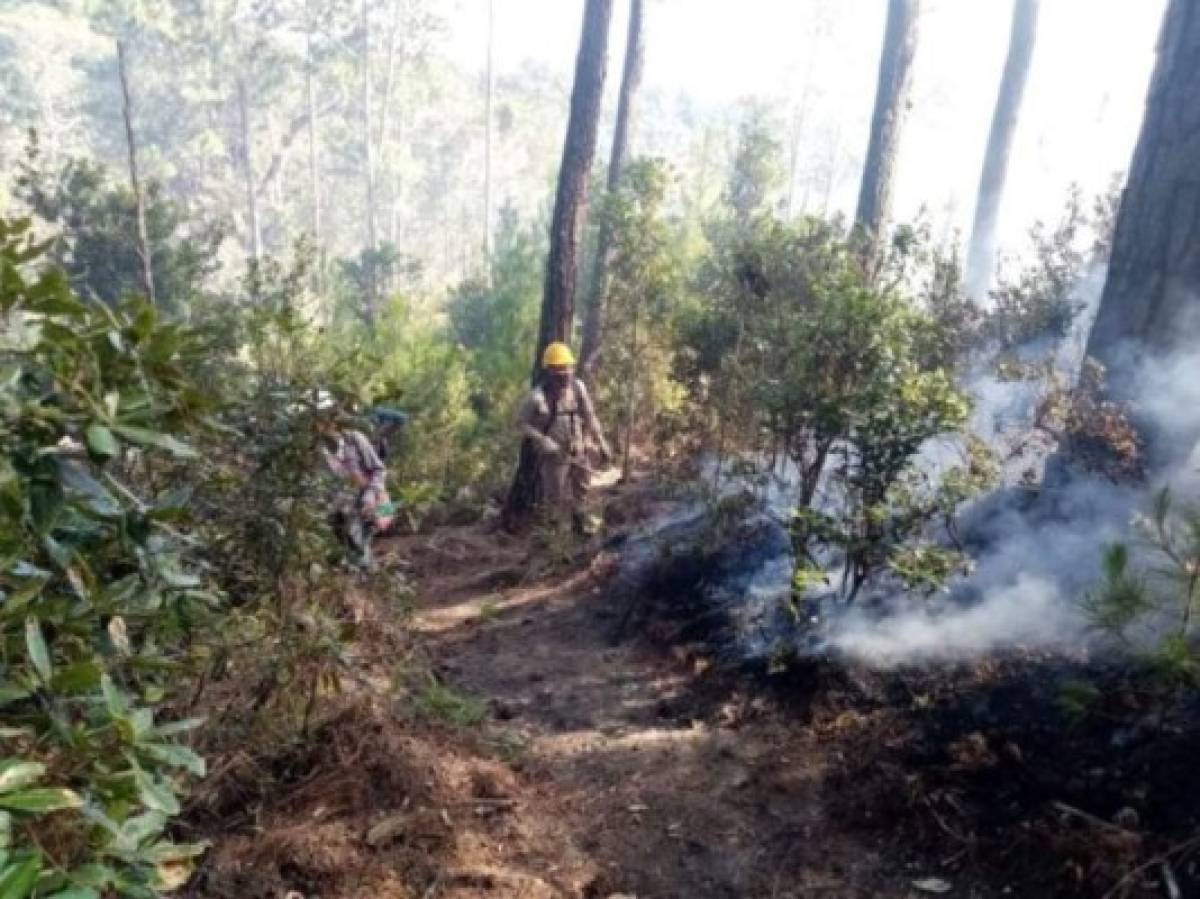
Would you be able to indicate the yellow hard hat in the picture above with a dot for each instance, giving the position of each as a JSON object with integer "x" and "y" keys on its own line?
{"x": 558, "y": 355}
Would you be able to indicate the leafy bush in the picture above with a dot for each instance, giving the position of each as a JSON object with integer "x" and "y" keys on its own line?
{"x": 645, "y": 280}
{"x": 96, "y": 239}
{"x": 103, "y": 604}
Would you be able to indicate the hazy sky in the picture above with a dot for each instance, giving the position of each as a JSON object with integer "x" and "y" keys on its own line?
{"x": 1083, "y": 105}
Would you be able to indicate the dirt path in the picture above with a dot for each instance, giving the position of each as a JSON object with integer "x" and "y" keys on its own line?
{"x": 663, "y": 782}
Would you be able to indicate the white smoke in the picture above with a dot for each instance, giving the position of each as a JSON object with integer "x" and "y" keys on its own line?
{"x": 1023, "y": 612}
{"x": 1037, "y": 551}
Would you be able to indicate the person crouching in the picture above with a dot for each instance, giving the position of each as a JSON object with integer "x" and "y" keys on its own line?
{"x": 364, "y": 509}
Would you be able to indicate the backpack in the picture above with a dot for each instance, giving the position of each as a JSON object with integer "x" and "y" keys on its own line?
{"x": 385, "y": 426}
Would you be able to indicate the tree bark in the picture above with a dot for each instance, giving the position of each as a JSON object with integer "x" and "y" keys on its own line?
{"x": 314, "y": 163}
{"x": 487, "y": 141}
{"x": 139, "y": 200}
{"x": 562, "y": 266}
{"x": 891, "y": 102}
{"x": 368, "y": 126}
{"x": 255, "y": 237}
{"x": 368, "y": 139}
{"x": 981, "y": 254}
{"x": 383, "y": 144}
{"x": 631, "y": 78}
{"x": 1150, "y": 307}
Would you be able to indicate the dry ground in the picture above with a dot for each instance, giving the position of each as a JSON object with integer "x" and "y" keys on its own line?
{"x": 501, "y": 744}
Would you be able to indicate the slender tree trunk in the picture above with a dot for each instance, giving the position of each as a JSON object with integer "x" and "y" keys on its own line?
{"x": 1150, "y": 307}
{"x": 593, "y": 326}
{"x": 570, "y": 202}
{"x": 487, "y": 140}
{"x": 143, "y": 248}
{"x": 631, "y": 397}
{"x": 891, "y": 101}
{"x": 368, "y": 141}
{"x": 314, "y": 171}
{"x": 383, "y": 144}
{"x": 255, "y": 238}
{"x": 368, "y": 127}
{"x": 314, "y": 164}
{"x": 981, "y": 255}
{"x": 798, "y": 119}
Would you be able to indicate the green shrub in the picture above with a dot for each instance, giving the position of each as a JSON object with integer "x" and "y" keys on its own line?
{"x": 103, "y": 607}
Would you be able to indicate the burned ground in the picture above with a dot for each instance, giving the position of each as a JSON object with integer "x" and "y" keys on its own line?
{"x": 534, "y": 755}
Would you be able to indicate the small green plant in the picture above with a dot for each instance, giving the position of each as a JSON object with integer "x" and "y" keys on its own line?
{"x": 1150, "y": 601}
{"x": 447, "y": 705}
{"x": 509, "y": 746}
{"x": 444, "y": 703}
{"x": 490, "y": 608}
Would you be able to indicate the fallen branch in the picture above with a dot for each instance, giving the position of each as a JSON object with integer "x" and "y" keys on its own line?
{"x": 1074, "y": 812}
{"x": 1181, "y": 849}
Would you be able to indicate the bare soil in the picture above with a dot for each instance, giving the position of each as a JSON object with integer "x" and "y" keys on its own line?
{"x": 532, "y": 755}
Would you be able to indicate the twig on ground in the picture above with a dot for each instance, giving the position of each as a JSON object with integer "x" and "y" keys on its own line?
{"x": 1074, "y": 812}
{"x": 1181, "y": 849}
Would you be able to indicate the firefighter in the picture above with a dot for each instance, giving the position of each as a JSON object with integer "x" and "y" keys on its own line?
{"x": 365, "y": 509}
{"x": 558, "y": 417}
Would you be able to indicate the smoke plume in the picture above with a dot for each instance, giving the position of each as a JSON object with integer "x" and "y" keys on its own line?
{"x": 1036, "y": 549}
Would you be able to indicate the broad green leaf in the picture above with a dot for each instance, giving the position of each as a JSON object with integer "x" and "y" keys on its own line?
{"x": 171, "y": 505}
{"x": 146, "y": 437}
{"x": 46, "y": 799}
{"x": 142, "y": 722}
{"x": 17, "y": 879}
{"x": 23, "y": 596}
{"x": 16, "y": 774}
{"x": 97, "y": 499}
{"x": 10, "y": 694}
{"x": 155, "y": 794}
{"x": 166, "y": 852}
{"x": 179, "y": 756}
{"x": 26, "y": 569}
{"x": 140, "y": 828}
{"x": 169, "y": 571}
{"x": 78, "y": 677}
{"x": 101, "y": 442}
{"x": 5, "y": 834}
{"x": 93, "y": 875}
{"x": 171, "y": 728}
{"x": 76, "y": 893}
{"x": 118, "y": 704}
{"x": 39, "y": 653}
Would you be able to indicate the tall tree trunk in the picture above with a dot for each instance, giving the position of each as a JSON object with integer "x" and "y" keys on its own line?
{"x": 1150, "y": 306}
{"x": 631, "y": 78}
{"x": 383, "y": 144}
{"x": 139, "y": 201}
{"x": 314, "y": 168}
{"x": 891, "y": 102}
{"x": 368, "y": 140}
{"x": 314, "y": 165}
{"x": 798, "y": 119}
{"x": 255, "y": 238}
{"x": 981, "y": 256}
{"x": 570, "y": 202}
{"x": 368, "y": 126}
{"x": 487, "y": 140}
